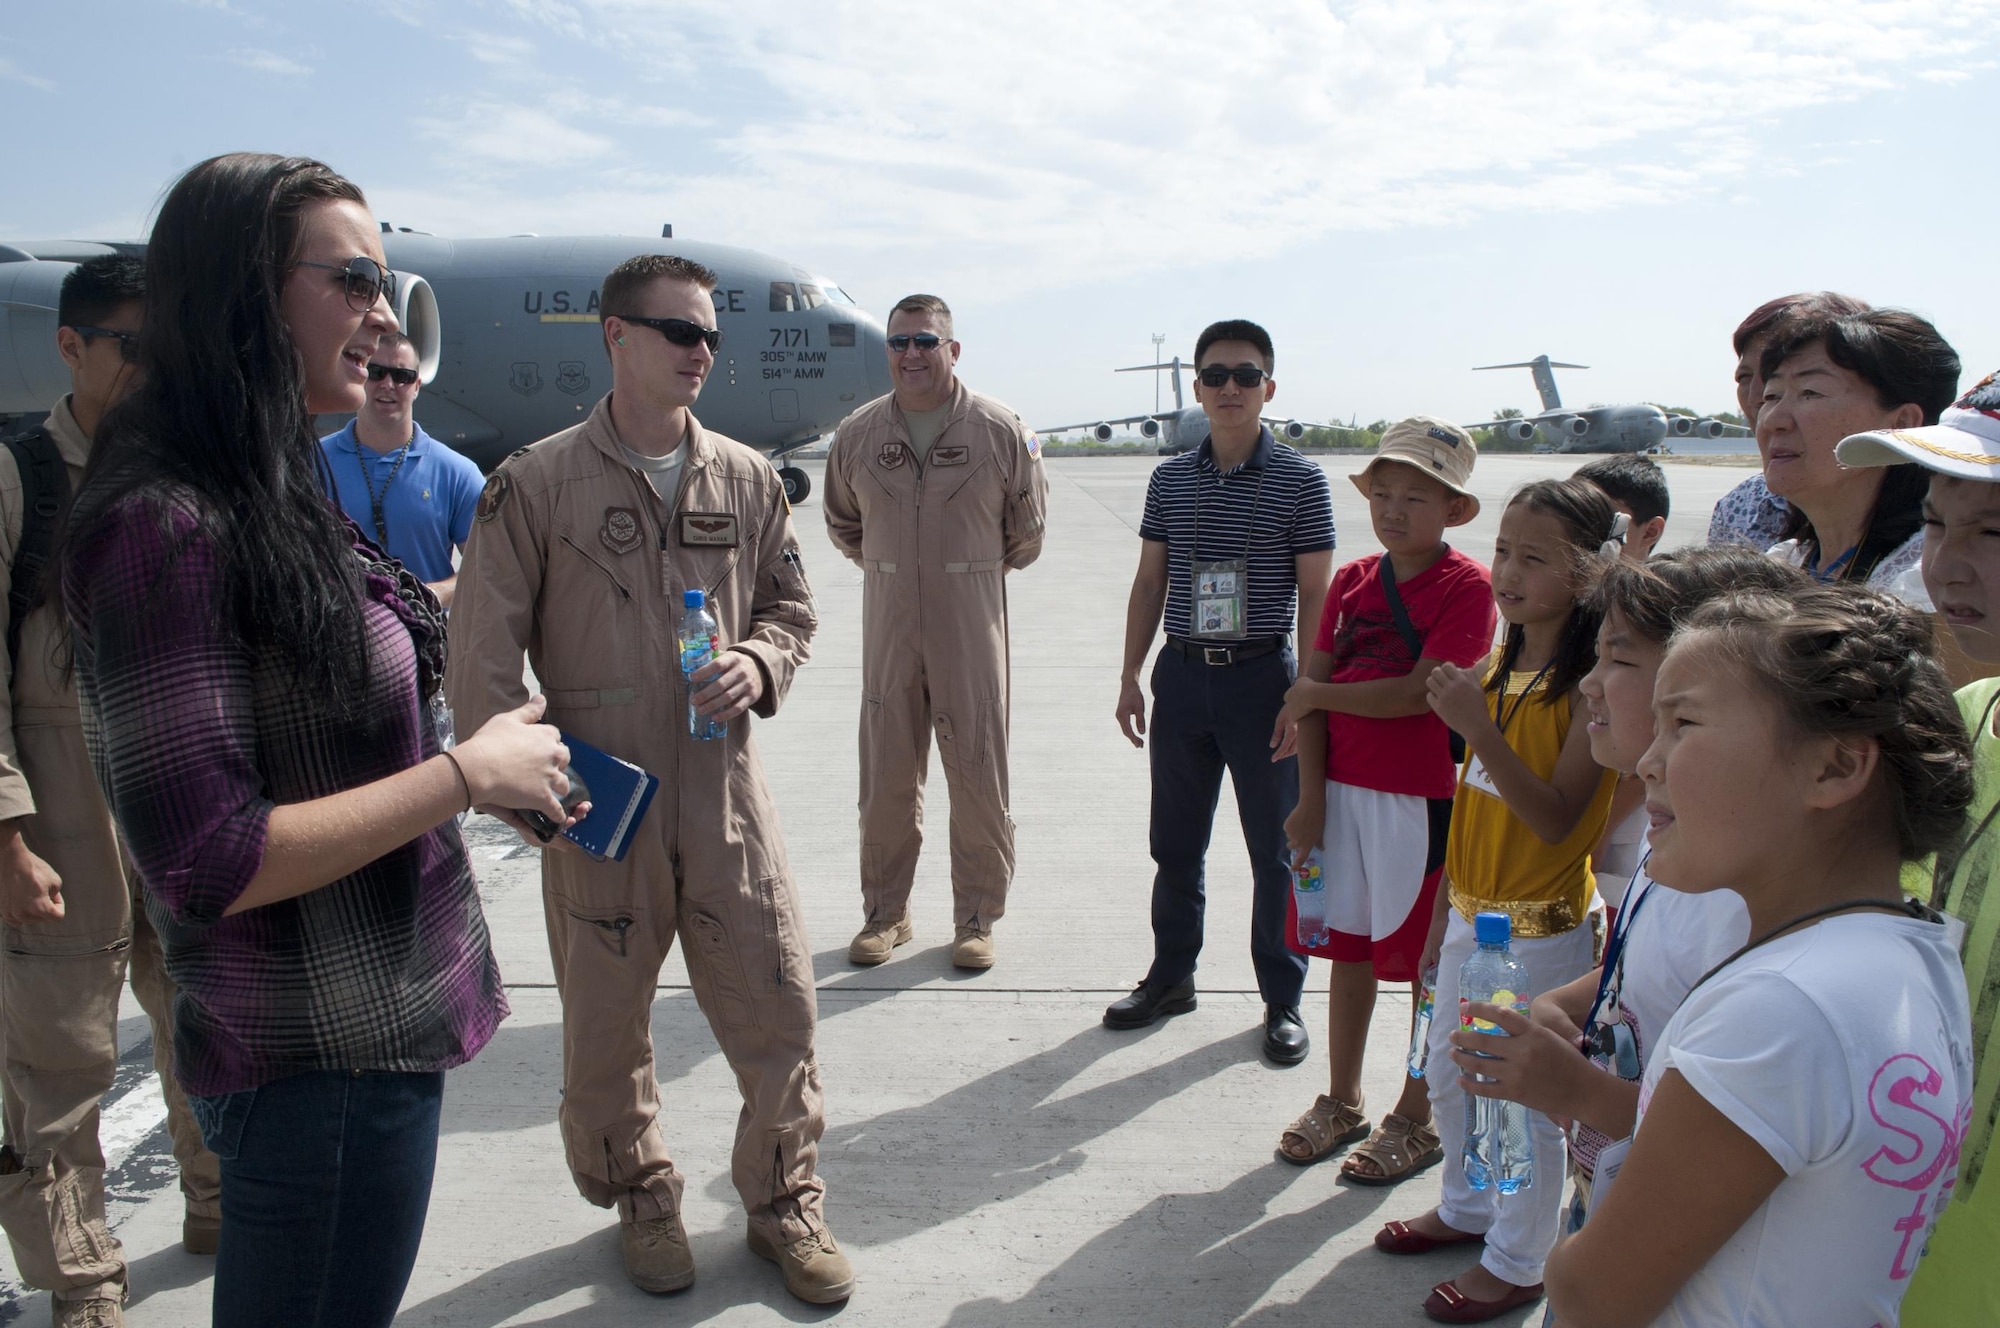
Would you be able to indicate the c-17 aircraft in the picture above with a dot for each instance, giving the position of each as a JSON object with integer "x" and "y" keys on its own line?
{"x": 1182, "y": 428}
{"x": 1633, "y": 428}
{"x": 509, "y": 345}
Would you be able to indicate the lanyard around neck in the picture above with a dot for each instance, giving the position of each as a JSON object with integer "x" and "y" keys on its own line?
{"x": 1250, "y": 527}
{"x": 362, "y": 453}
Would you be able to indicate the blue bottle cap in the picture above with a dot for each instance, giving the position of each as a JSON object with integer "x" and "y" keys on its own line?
{"x": 1492, "y": 928}
{"x": 693, "y": 599}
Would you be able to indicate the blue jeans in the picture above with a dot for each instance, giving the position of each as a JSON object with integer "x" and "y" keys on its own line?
{"x": 326, "y": 1177}
{"x": 1208, "y": 718}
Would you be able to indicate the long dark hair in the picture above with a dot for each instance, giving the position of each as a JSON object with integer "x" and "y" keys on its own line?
{"x": 1586, "y": 517}
{"x": 1901, "y": 356}
{"x": 220, "y": 428}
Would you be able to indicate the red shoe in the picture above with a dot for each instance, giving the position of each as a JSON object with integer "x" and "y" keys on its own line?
{"x": 1402, "y": 1238}
{"x": 1447, "y": 1304}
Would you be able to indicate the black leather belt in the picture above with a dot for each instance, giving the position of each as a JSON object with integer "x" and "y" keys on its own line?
{"x": 1227, "y": 652}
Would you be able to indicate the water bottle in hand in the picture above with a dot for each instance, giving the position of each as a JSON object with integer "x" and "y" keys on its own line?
{"x": 1497, "y": 1148}
{"x": 700, "y": 642}
{"x": 1420, "y": 1032}
{"x": 1309, "y": 894}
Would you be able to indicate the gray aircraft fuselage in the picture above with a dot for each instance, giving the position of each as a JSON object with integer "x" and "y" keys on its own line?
{"x": 520, "y": 350}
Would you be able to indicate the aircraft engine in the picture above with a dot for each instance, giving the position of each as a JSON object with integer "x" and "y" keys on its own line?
{"x": 1101, "y": 432}
{"x": 1708, "y": 428}
{"x": 1680, "y": 426}
{"x": 417, "y": 312}
{"x": 1520, "y": 431}
{"x": 32, "y": 374}
{"x": 1293, "y": 430}
{"x": 1575, "y": 426}
{"x": 1149, "y": 428}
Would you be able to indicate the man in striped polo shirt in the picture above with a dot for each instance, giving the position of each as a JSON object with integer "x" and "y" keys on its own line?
{"x": 1236, "y": 552}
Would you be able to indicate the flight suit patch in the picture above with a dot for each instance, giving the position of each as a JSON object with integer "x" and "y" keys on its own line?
{"x": 891, "y": 456}
{"x": 494, "y": 496}
{"x": 713, "y": 529}
{"x": 620, "y": 531}
{"x": 955, "y": 455}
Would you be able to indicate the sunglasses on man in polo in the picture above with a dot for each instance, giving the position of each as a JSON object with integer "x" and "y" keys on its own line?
{"x": 400, "y": 377}
{"x": 128, "y": 342}
{"x": 362, "y": 280}
{"x": 679, "y": 331}
{"x": 902, "y": 341}
{"x": 1246, "y": 375}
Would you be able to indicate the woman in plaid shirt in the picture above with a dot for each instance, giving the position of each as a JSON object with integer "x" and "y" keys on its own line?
{"x": 260, "y": 693}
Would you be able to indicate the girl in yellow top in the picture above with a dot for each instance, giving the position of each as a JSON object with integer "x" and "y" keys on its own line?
{"x": 1531, "y": 802}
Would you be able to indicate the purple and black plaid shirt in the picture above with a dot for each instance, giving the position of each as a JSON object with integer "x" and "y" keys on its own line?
{"x": 194, "y": 740}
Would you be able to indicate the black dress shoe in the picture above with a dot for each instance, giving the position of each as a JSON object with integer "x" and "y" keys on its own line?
{"x": 1285, "y": 1040}
{"x": 1149, "y": 1003}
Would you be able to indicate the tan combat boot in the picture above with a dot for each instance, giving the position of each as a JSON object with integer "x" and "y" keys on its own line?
{"x": 97, "y": 1313}
{"x": 972, "y": 949}
{"x": 199, "y": 1234}
{"x": 878, "y": 940}
{"x": 657, "y": 1257}
{"x": 815, "y": 1270}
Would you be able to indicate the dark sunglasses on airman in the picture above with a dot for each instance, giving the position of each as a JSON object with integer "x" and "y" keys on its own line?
{"x": 128, "y": 342}
{"x": 362, "y": 280}
{"x": 400, "y": 377}
{"x": 902, "y": 341}
{"x": 679, "y": 331}
{"x": 1246, "y": 375}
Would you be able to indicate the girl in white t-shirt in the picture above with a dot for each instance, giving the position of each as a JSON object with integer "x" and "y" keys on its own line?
{"x": 1799, "y": 1123}
{"x": 1580, "y": 1056}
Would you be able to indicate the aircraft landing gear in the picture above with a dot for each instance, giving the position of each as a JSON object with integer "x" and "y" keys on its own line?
{"x": 798, "y": 484}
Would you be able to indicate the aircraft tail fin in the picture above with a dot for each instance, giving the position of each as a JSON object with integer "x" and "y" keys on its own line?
{"x": 1175, "y": 365}
{"x": 1545, "y": 379}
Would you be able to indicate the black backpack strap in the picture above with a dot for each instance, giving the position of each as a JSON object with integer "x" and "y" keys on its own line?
{"x": 44, "y": 495}
{"x": 1412, "y": 638}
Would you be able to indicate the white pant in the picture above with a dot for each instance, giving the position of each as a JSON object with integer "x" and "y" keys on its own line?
{"x": 1372, "y": 858}
{"x": 1520, "y": 1228}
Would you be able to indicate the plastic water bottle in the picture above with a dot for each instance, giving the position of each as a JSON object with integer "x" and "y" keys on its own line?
{"x": 1309, "y": 894}
{"x": 1420, "y": 1034}
{"x": 1497, "y": 1149}
{"x": 700, "y": 641}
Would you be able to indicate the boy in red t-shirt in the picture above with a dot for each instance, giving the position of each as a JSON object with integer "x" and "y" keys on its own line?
{"x": 1389, "y": 620}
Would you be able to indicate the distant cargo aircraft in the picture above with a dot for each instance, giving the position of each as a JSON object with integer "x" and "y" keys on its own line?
{"x": 1182, "y": 428}
{"x": 507, "y": 336}
{"x": 1634, "y": 428}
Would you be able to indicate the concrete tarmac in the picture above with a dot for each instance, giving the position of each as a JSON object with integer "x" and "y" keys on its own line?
{"x": 993, "y": 1154}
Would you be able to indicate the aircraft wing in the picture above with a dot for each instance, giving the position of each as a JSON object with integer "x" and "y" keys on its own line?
{"x": 1163, "y": 416}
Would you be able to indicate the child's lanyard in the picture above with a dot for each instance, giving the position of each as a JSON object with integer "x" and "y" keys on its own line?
{"x": 1832, "y": 571}
{"x": 1614, "y": 949}
{"x": 1943, "y": 875}
{"x": 1907, "y": 907}
{"x": 1506, "y": 715}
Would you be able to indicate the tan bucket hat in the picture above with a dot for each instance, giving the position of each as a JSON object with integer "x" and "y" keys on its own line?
{"x": 1437, "y": 447}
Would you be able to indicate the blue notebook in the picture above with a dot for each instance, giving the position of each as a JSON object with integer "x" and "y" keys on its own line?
{"x": 618, "y": 792}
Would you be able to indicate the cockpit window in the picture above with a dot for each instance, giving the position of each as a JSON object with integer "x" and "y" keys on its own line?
{"x": 811, "y": 296}
{"x": 785, "y": 298}
{"x": 835, "y": 293}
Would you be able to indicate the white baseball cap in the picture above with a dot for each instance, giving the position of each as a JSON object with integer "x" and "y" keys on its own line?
{"x": 1965, "y": 442}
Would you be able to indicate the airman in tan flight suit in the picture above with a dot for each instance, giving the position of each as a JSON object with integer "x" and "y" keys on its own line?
{"x": 71, "y": 918}
{"x": 582, "y": 549}
{"x": 938, "y": 493}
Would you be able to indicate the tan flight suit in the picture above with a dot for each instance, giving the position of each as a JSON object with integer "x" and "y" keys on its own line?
{"x": 935, "y": 536}
{"x": 574, "y": 559}
{"x": 60, "y": 981}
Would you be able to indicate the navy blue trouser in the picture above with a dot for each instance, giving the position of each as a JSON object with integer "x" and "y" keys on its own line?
{"x": 1207, "y": 718}
{"x": 326, "y": 1177}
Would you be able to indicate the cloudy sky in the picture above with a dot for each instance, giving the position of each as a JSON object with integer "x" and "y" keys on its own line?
{"x": 1399, "y": 191}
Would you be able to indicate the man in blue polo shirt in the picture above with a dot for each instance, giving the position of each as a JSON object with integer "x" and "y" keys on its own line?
{"x": 408, "y": 492}
{"x": 1236, "y": 552}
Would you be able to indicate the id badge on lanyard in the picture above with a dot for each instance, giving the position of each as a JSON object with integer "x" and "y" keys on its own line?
{"x": 1219, "y": 608}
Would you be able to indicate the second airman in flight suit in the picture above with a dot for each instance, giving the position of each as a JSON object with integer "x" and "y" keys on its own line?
{"x": 938, "y": 493}
{"x": 581, "y": 551}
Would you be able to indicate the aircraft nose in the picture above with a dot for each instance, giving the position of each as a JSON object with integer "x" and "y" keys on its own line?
{"x": 873, "y": 343}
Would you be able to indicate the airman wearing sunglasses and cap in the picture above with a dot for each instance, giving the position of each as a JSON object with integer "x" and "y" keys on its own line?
{"x": 938, "y": 493}
{"x": 1236, "y": 549}
{"x": 581, "y": 553}
{"x": 407, "y": 491}
{"x": 71, "y": 918}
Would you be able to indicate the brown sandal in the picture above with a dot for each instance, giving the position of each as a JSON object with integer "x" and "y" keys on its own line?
{"x": 1329, "y": 1126}
{"x": 1399, "y": 1148}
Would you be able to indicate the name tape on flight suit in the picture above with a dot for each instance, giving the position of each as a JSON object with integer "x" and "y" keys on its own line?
{"x": 956, "y": 455}
{"x": 709, "y": 528}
